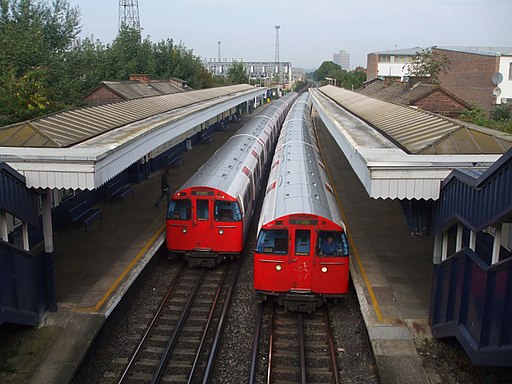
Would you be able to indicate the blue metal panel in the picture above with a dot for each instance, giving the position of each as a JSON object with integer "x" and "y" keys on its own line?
{"x": 473, "y": 302}
{"x": 23, "y": 292}
{"x": 476, "y": 200}
{"x": 15, "y": 198}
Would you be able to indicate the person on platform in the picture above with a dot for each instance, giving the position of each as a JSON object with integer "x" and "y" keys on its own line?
{"x": 165, "y": 186}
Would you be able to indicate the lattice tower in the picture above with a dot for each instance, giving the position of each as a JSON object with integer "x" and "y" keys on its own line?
{"x": 129, "y": 14}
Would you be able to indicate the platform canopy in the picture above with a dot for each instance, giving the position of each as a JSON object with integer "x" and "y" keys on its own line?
{"x": 84, "y": 148}
{"x": 403, "y": 152}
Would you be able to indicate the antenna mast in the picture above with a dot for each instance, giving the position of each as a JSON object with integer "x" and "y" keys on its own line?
{"x": 129, "y": 14}
{"x": 278, "y": 72}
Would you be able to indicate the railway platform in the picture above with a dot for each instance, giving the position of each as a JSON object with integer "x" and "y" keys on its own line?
{"x": 94, "y": 269}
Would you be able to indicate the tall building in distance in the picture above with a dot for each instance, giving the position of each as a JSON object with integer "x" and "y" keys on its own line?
{"x": 342, "y": 58}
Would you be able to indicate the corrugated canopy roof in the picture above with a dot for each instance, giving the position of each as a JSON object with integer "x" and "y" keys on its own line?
{"x": 64, "y": 129}
{"x": 134, "y": 89}
{"x": 417, "y": 131}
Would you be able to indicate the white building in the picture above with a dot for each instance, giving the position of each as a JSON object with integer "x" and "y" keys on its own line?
{"x": 342, "y": 58}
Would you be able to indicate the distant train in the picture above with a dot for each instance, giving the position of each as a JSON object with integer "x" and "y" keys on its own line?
{"x": 208, "y": 217}
{"x": 302, "y": 254}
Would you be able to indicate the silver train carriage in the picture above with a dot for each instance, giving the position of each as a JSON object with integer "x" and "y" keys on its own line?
{"x": 209, "y": 215}
{"x": 294, "y": 259}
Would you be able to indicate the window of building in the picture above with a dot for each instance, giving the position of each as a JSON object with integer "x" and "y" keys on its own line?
{"x": 510, "y": 71}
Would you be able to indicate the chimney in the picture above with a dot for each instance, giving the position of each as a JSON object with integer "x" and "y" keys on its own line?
{"x": 142, "y": 78}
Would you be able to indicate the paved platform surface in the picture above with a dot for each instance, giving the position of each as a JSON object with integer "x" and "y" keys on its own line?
{"x": 390, "y": 269}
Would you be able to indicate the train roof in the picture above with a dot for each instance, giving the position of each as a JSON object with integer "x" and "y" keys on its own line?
{"x": 298, "y": 183}
{"x": 221, "y": 170}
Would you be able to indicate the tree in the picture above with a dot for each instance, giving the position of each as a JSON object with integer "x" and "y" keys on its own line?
{"x": 33, "y": 38}
{"x": 348, "y": 80}
{"x": 237, "y": 74}
{"x": 428, "y": 65}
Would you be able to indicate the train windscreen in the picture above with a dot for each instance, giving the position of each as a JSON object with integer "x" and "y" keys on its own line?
{"x": 227, "y": 211}
{"x": 331, "y": 243}
{"x": 179, "y": 210}
{"x": 273, "y": 241}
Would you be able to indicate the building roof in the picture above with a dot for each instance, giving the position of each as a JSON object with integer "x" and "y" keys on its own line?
{"x": 87, "y": 147}
{"x": 65, "y": 129}
{"x": 479, "y": 50}
{"x": 405, "y": 51}
{"x": 418, "y": 131}
{"x": 403, "y": 93}
{"x": 399, "y": 152}
{"x": 135, "y": 89}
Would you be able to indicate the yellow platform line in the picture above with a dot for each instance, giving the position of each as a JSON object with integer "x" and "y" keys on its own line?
{"x": 367, "y": 283}
{"x": 118, "y": 281}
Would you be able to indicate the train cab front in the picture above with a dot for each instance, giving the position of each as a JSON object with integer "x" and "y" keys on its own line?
{"x": 301, "y": 261}
{"x": 204, "y": 226}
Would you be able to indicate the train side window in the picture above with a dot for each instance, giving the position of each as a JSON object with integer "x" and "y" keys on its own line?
{"x": 179, "y": 210}
{"x": 332, "y": 243}
{"x": 227, "y": 211}
{"x": 202, "y": 209}
{"x": 302, "y": 242}
{"x": 273, "y": 242}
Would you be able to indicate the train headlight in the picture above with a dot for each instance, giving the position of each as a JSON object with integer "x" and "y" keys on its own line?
{"x": 184, "y": 230}
{"x": 324, "y": 269}
{"x": 221, "y": 231}
{"x": 278, "y": 267}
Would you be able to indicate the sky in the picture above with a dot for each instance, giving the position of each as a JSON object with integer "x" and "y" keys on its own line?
{"x": 310, "y": 31}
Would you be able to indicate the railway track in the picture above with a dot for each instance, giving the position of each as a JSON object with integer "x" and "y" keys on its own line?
{"x": 180, "y": 342}
{"x": 298, "y": 347}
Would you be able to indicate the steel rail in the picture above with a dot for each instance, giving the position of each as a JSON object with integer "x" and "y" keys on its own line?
{"x": 207, "y": 326}
{"x": 177, "y": 329}
{"x": 302, "y": 348}
{"x": 152, "y": 324}
{"x": 220, "y": 326}
{"x": 332, "y": 350}
{"x": 257, "y": 334}
{"x": 270, "y": 342}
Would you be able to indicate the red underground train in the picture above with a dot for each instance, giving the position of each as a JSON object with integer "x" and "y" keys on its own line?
{"x": 302, "y": 254}
{"x": 208, "y": 217}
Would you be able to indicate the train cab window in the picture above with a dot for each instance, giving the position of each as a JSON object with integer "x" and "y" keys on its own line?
{"x": 227, "y": 211}
{"x": 332, "y": 244}
{"x": 302, "y": 242}
{"x": 202, "y": 209}
{"x": 179, "y": 210}
{"x": 273, "y": 242}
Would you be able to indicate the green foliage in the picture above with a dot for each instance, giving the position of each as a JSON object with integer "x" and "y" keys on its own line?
{"x": 33, "y": 39}
{"x": 500, "y": 118}
{"x": 428, "y": 64}
{"x": 237, "y": 74}
{"x": 348, "y": 80}
{"x": 502, "y": 112}
{"x": 42, "y": 72}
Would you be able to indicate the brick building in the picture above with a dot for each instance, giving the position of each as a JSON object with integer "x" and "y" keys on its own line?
{"x": 429, "y": 97}
{"x": 137, "y": 87}
{"x": 482, "y": 76}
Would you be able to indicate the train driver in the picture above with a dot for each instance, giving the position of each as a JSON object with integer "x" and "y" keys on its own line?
{"x": 328, "y": 246}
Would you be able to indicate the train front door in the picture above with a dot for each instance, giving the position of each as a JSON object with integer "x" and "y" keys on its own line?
{"x": 302, "y": 261}
{"x": 202, "y": 221}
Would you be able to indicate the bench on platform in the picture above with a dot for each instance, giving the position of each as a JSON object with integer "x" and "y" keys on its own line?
{"x": 206, "y": 137}
{"x": 81, "y": 213}
{"x": 174, "y": 160}
{"x": 118, "y": 190}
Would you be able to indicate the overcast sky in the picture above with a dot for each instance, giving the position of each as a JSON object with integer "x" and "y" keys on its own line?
{"x": 311, "y": 31}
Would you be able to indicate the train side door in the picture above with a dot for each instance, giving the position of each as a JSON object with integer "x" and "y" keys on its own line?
{"x": 302, "y": 260}
{"x": 202, "y": 221}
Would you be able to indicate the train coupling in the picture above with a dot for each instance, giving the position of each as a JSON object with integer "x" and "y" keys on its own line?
{"x": 203, "y": 259}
